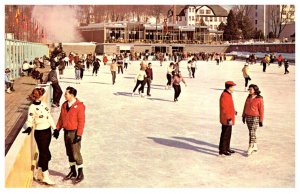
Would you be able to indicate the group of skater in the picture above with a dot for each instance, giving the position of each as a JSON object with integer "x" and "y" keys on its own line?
{"x": 253, "y": 115}
{"x": 72, "y": 115}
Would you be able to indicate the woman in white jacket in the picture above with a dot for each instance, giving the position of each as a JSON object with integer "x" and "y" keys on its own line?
{"x": 40, "y": 119}
{"x": 139, "y": 79}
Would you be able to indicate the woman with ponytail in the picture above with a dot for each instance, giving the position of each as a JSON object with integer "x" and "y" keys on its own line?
{"x": 40, "y": 119}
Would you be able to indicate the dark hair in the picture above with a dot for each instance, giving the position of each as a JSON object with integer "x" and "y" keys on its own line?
{"x": 36, "y": 93}
{"x": 189, "y": 61}
{"x": 114, "y": 60}
{"x": 256, "y": 89}
{"x": 227, "y": 86}
{"x": 53, "y": 67}
{"x": 72, "y": 90}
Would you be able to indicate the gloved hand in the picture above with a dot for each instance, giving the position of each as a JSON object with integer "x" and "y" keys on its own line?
{"x": 55, "y": 133}
{"x": 260, "y": 124}
{"x": 77, "y": 139}
{"x": 28, "y": 130}
{"x": 244, "y": 120}
{"x": 229, "y": 122}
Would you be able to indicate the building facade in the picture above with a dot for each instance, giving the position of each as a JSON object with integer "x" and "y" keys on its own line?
{"x": 267, "y": 18}
{"x": 184, "y": 24}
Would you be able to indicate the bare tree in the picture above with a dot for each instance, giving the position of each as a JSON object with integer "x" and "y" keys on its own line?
{"x": 280, "y": 16}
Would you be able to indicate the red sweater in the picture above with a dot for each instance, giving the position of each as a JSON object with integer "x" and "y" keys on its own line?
{"x": 227, "y": 110}
{"x": 74, "y": 119}
{"x": 254, "y": 107}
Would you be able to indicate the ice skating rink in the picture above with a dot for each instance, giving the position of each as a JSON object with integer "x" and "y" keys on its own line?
{"x": 153, "y": 142}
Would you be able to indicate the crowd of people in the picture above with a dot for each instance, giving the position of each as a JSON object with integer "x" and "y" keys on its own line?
{"x": 72, "y": 116}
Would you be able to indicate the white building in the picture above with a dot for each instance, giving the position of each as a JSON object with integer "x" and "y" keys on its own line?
{"x": 198, "y": 15}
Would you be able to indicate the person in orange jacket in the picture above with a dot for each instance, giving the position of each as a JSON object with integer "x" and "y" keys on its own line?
{"x": 253, "y": 115}
{"x": 72, "y": 120}
{"x": 227, "y": 118}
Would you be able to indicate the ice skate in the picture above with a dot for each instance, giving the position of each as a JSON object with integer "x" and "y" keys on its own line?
{"x": 250, "y": 149}
{"x": 47, "y": 179}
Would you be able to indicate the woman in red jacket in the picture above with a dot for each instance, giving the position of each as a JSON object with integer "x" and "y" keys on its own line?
{"x": 253, "y": 115}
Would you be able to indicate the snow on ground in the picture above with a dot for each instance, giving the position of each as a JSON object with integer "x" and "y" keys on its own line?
{"x": 153, "y": 142}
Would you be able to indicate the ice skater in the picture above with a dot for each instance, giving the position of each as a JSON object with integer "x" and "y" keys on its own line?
{"x": 177, "y": 78}
{"x": 227, "y": 118}
{"x": 253, "y": 115}
{"x": 170, "y": 69}
{"x": 246, "y": 75}
{"x": 140, "y": 80}
{"x": 286, "y": 66}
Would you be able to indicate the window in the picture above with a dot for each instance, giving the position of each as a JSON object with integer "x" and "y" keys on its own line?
{"x": 256, "y": 6}
{"x": 180, "y": 18}
{"x": 255, "y": 14}
{"x": 256, "y": 22}
{"x": 210, "y": 19}
{"x": 201, "y": 11}
{"x": 211, "y": 27}
{"x": 206, "y": 18}
{"x": 190, "y": 9}
{"x": 216, "y": 19}
{"x": 292, "y": 6}
{"x": 216, "y": 27}
{"x": 190, "y": 18}
{"x": 220, "y": 19}
{"x": 193, "y": 18}
{"x": 208, "y": 12}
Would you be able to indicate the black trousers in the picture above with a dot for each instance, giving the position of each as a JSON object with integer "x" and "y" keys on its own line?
{"x": 286, "y": 69}
{"x": 95, "y": 70}
{"x": 43, "y": 139}
{"x": 113, "y": 74}
{"x": 246, "y": 81}
{"x": 81, "y": 73}
{"x": 193, "y": 71}
{"x": 120, "y": 68}
{"x": 177, "y": 90}
{"x": 139, "y": 82}
{"x": 125, "y": 65}
{"x": 224, "y": 144}
{"x": 264, "y": 67}
{"x": 57, "y": 93}
{"x": 169, "y": 77}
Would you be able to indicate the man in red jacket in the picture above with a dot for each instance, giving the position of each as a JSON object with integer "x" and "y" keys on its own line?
{"x": 227, "y": 118}
{"x": 72, "y": 120}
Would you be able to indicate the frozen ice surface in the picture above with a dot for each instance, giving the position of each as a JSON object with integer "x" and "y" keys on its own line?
{"x": 153, "y": 142}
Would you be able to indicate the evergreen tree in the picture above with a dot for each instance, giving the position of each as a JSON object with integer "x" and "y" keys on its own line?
{"x": 231, "y": 31}
{"x": 245, "y": 25}
{"x": 222, "y": 26}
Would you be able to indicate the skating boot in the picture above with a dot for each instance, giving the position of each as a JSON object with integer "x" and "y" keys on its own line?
{"x": 8, "y": 91}
{"x": 47, "y": 179}
{"x": 39, "y": 174}
{"x": 72, "y": 173}
{"x": 80, "y": 176}
{"x": 250, "y": 149}
{"x": 255, "y": 148}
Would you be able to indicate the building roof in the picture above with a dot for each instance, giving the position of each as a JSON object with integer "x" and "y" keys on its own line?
{"x": 217, "y": 10}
